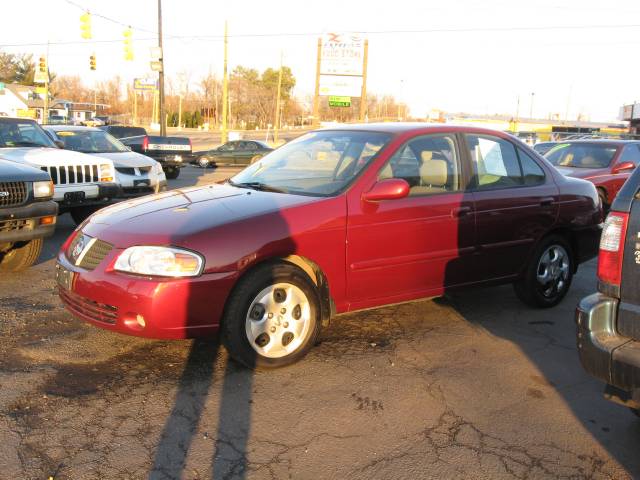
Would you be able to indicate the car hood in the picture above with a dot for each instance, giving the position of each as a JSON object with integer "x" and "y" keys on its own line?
{"x": 179, "y": 216}
{"x": 127, "y": 159}
{"x": 44, "y": 157}
{"x": 19, "y": 172}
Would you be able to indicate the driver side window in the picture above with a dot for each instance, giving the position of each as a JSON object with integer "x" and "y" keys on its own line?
{"x": 429, "y": 164}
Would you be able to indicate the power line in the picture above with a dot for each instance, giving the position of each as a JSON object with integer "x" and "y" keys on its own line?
{"x": 109, "y": 19}
{"x": 361, "y": 32}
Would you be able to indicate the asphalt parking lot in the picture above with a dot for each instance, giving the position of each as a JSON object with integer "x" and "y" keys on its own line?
{"x": 475, "y": 385}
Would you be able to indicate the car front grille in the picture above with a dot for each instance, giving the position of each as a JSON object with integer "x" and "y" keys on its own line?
{"x": 15, "y": 225}
{"x": 84, "y": 307}
{"x": 12, "y": 193}
{"x": 67, "y": 174}
{"x": 96, "y": 251}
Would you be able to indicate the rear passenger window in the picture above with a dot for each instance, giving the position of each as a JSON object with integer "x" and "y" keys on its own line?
{"x": 630, "y": 154}
{"x": 531, "y": 171}
{"x": 495, "y": 162}
{"x": 428, "y": 163}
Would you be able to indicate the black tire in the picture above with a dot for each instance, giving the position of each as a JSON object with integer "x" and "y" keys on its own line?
{"x": 233, "y": 330}
{"x": 204, "y": 162}
{"x": 530, "y": 290}
{"x": 255, "y": 158}
{"x": 172, "y": 173}
{"x": 80, "y": 214}
{"x": 603, "y": 200}
{"x": 21, "y": 257}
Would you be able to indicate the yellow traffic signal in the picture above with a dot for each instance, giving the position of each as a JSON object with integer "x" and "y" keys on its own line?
{"x": 85, "y": 25}
{"x": 92, "y": 62}
{"x": 42, "y": 64}
{"x": 128, "y": 44}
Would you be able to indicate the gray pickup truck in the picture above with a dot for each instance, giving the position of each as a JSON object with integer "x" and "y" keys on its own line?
{"x": 27, "y": 214}
{"x": 608, "y": 322}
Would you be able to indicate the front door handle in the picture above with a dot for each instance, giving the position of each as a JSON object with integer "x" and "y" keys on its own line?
{"x": 457, "y": 212}
{"x": 546, "y": 202}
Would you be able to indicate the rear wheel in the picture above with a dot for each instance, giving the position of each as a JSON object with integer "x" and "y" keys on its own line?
{"x": 21, "y": 256}
{"x": 272, "y": 318}
{"x": 203, "y": 162}
{"x": 172, "y": 172}
{"x": 80, "y": 214}
{"x": 603, "y": 200}
{"x": 548, "y": 275}
{"x": 255, "y": 158}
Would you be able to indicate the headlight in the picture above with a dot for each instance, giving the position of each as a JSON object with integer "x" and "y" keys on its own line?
{"x": 43, "y": 189}
{"x": 160, "y": 261}
{"x": 106, "y": 172}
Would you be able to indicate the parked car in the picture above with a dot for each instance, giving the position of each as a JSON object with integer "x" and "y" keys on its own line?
{"x": 57, "y": 120}
{"x": 122, "y": 131}
{"x": 27, "y": 214}
{"x": 237, "y": 152}
{"x": 83, "y": 184}
{"x": 544, "y": 147}
{"x": 334, "y": 221}
{"x": 172, "y": 152}
{"x": 606, "y": 163}
{"x": 136, "y": 174}
{"x": 608, "y": 322}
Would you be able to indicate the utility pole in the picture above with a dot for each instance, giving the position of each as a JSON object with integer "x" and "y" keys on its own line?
{"x": 225, "y": 88}
{"x": 162, "y": 120}
{"x": 363, "y": 96}
{"x": 316, "y": 97}
{"x": 531, "y": 106}
{"x": 276, "y": 123}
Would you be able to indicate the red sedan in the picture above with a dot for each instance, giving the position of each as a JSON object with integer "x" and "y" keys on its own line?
{"x": 335, "y": 221}
{"x": 605, "y": 163}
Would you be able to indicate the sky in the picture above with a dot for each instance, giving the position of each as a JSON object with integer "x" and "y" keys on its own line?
{"x": 565, "y": 57}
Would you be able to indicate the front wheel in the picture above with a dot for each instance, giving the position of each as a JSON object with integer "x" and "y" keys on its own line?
{"x": 548, "y": 275}
{"x": 172, "y": 173}
{"x": 272, "y": 318}
{"x": 203, "y": 162}
{"x": 21, "y": 257}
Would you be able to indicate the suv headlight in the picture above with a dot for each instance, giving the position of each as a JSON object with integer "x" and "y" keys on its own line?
{"x": 106, "y": 172}
{"x": 160, "y": 261}
{"x": 43, "y": 189}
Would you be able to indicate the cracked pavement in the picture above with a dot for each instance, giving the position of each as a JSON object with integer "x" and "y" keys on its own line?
{"x": 475, "y": 385}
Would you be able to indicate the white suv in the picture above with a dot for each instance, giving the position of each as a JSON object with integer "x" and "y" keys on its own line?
{"x": 82, "y": 183}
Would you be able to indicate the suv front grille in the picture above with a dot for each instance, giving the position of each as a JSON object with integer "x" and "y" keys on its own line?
{"x": 12, "y": 193}
{"x": 66, "y": 174}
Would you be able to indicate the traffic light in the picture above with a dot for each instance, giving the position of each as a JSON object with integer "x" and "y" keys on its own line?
{"x": 92, "y": 62}
{"x": 128, "y": 44}
{"x": 42, "y": 64}
{"x": 85, "y": 25}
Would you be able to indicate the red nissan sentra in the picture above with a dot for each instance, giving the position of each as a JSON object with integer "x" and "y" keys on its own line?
{"x": 335, "y": 221}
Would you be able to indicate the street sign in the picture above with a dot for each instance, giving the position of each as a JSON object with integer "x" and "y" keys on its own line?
{"x": 156, "y": 54}
{"x": 337, "y": 101}
{"x": 41, "y": 90}
{"x": 41, "y": 77}
{"x": 340, "y": 86}
{"x": 342, "y": 54}
{"x": 156, "y": 66}
{"x": 26, "y": 113}
{"x": 145, "y": 84}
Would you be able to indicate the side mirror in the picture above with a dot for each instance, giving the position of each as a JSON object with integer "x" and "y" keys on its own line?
{"x": 59, "y": 143}
{"x": 389, "y": 189}
{"x": 624, "y": 167}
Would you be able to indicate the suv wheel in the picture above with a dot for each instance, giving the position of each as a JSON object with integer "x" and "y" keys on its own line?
{"x": 21, "y": 257}
{"x": 272, "y": 318}
{"x": 548, "y": 275}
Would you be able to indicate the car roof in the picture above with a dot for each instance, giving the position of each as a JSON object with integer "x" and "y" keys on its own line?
{"x": 71, "y": 128}
{"x": 599, "y": 141}
{"x": 410, "y": 127}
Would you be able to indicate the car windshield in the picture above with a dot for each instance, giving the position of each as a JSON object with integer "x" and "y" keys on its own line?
{"x": 319, "y": 163}
{"x": 17, "y": 133}
{"x": 90, "y": 141}
{"x": 581, "y": 155}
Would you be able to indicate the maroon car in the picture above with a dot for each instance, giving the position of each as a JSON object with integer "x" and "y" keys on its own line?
{"x": 606, "y": 163}
{"x": 334, "y": 221}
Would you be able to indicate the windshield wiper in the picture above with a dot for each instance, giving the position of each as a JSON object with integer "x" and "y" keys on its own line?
{"x": 26, "y": 144}
{"x": 263, "y": 187}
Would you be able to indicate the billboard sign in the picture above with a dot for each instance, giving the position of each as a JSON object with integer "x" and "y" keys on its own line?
{"x": 144, "y": 84}
{"x": 339, "y": 86}
{"x": 341, "y": 54}
{"x": 626, "y": 112}
{"x": 335, "y": 101}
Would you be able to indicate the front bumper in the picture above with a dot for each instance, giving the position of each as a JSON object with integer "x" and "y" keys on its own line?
{"x": 604, "y": 353}
{"x": 94, "y": 194}
{"x": 21, "y": 224}
{"x": 171, "y": 308}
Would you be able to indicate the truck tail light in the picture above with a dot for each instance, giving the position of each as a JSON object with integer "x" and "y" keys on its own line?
{"x": 145, "y": 143}
{"x": 612, "y": 248}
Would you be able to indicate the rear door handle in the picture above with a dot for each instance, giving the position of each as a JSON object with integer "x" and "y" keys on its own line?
{"x": 460, "y": 211}
{"x": 546, "y": 202}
